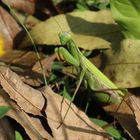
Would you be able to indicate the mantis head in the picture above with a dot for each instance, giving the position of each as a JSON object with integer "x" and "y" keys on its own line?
{"x": 64, "y": 37}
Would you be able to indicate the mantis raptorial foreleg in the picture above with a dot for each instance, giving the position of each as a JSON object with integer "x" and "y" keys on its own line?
{"x": 96, "y": 80}
{"x": 63, "y": 54}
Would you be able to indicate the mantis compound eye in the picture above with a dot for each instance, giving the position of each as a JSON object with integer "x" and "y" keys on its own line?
{"x": 64, "y": 37}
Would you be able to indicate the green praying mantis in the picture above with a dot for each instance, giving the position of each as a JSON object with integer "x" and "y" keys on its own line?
{"x": 95, "y": 79}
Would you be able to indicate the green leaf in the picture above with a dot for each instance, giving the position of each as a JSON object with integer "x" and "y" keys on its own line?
{"x": 82, "y": 5}
{"x": 90, "y": 30}
{"x": 66, "y": 94}
{"x": 127, "y": 14}
{"x": 110, "y": 130}
{"x": 4, "y": 110}
{"x": 18, "y": 136}
{"x": 65, "y": 91}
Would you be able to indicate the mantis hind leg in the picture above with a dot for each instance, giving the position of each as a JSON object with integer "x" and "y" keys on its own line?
{"x": 77, "y": 87}
{"x": 98, "y": 92}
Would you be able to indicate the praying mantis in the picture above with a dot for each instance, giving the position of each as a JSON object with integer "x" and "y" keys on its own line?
{"x": 95, "y": 79}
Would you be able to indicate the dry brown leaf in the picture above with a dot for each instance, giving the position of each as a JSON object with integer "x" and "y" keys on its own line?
{"x": 22, "y": 5}
{"x": 29, "y": 99}
{"x": 22, "y": 62}
{"x": 32, "y": 129}
{"x": 21, "y": 58}
{"x": 125, "y": 117}
{"x": 135, "y": 103}
{"x": 76, "y": 126}
{"x": 6, "y": 132}
{"x": 47, "y": 63}
{"x": 8, "y": 28}
{"x": 42, "y": 7}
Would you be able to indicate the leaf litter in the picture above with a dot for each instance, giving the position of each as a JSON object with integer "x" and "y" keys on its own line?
{"x": 31, "y": 110}
{"x": 9, "y": 29}
{"x": 30, "y": 103}
{"x": 135, "y": 103}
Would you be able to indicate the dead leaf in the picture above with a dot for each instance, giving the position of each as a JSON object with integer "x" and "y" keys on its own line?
{"x": 76, "y": 125}
{"x": 122, "y": 64}
{"x": 6, "y": 131}
{"x": 47, "y": 63}
{"x": 29, "y": 99}
{"x": 24, "y": 59}
{"x": 125, "y": 117}
{"x": 9, "y": 29}
{"x": 43, "y": 8}
{"x": 25, "y": 120}
{"x": 31, "y": 21}
{"x": 90, "y": 30}
{"x": 135, "y": 103}
{"x": 22, "y": 5}
{"x": 22, "y": 62}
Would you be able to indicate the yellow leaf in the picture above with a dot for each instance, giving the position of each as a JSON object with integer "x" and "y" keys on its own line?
{"x": 89, "y": 30}
{"x": 1, "y": 46}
